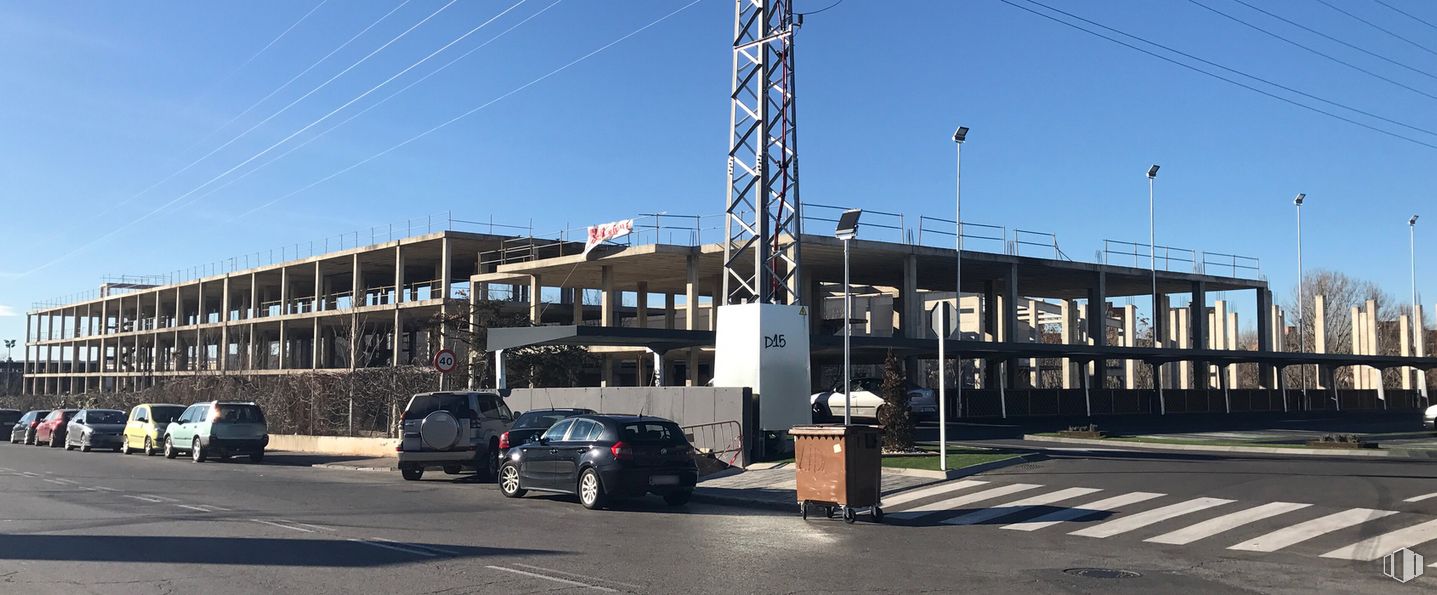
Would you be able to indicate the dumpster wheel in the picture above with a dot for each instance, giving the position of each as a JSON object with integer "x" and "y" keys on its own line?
{"x": 849, "y": 515}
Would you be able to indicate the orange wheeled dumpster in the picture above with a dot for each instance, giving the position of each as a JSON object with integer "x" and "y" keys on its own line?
{"x": 839, "y": 468}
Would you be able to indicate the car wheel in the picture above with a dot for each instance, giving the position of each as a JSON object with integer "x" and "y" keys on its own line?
{"x": 149, "y": 447}
{"x": 591, "y": 489}
{"x": 678, "y": 498}
{"x": 124, "y": 448}
{"x": 57, "y": 444}
{"x": 68, "y": 446}
{"x": 509, "y": 481}
{"x": 256, "y": 457}
{"x": 821, "y": 412}
{"x": 411, "y": 472}
{"x": 877, "y": 514}
{"x": 170, "y": 448}
{"x": 452, "y": 469}
{"x": 84, "y": 447}
{"x": 197, "y": 452}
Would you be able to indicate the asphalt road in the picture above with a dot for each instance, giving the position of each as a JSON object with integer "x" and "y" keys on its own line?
{"x": 106, "y": 523}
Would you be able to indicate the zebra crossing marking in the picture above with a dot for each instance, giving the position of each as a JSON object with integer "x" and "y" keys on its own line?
{"x": 1386, "y": 543}
{"x": 1226, "y": 522}
{"x": 1084, "y": 510}
{"x": 966, "y": 499}
{"x": 918, "y": 494}
{"x": 1018, "y": 506}
{"x": 1139, "y": 520}
{"x": 1304, "y": 531}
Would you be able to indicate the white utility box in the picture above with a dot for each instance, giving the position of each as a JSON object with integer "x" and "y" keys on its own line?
{"x": 765, "y": 347}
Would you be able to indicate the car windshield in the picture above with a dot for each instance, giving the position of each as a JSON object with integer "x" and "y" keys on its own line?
{"x": 239, "y": 414}
{"x": 539, "y": 420}
{"x": 104, "y": 417}
{"x": 423, "y": 405}
{"x": 651, "y": 432}
{"x": 164, "y": 415}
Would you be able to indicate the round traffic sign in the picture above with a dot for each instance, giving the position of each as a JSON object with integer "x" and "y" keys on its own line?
{"x": 445, "y": 361}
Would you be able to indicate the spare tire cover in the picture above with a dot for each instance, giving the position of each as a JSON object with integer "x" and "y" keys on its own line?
{"x": 439, "y": 430}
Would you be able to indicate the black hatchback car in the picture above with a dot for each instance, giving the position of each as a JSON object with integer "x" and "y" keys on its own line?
{"x": 600, "y": 457}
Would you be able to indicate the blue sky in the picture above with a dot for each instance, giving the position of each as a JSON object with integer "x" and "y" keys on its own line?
{"x": 103, "y": 99}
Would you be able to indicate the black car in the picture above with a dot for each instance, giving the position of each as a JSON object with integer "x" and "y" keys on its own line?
{"x": 23, "y": 430}
{"x": 9, "y": 417}
{"x": 531, "y": 424}
{"x": 599, "y": 457}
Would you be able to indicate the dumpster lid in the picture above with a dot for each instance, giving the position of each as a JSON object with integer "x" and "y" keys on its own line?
{"x": 832, "y": 429}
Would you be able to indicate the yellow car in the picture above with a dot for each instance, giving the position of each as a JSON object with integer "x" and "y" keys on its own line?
{"x": 145, "y": 427}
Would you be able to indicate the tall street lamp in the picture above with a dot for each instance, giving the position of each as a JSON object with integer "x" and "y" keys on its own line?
{"x": 847, "y": 229}
{"x": 9, "y": 363}
{"x": 959, "y": 136}
{"x": 1301, "y": 318}
{"x": 1153, "y": 268}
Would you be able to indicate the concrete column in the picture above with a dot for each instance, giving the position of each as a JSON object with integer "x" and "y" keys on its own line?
{"x": 607, "y": 301}
{"x": 910, "y": 303}
{"x": 1098, "y": 326}
{"x": 399, "y": 280}
{"x": 670, "y": 308}
{"x": 1319, "y": 333}
{"x": 446, "y": 286}
{"x": 606, "y": 365}
{"x": 641, "y": 304}
{"x": 1421, "y": 336}
{"x": 1373, "y": 374}
{"x": 1231, "y": 334}
{"x": 536, "y": 303}
{"x": 1184, "y": 341}
{"x": 224, "y": 351}
{"x": 1010, "y": 305}
{"x": 578, "y": 301}
{"x": 1405, "y": 348}
{"x": 1359, "y": 378}
{"x": 1130, "y": 335}
{"x": 691, "y": 298}
{"x": 1069, "y": 313}
{"x": 1035, "y": 376}
{"x": 356, "y": 300}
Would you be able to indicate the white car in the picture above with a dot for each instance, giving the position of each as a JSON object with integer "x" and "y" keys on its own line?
{"x": 1429, "y": 419}
{"x": 922, "y": 402}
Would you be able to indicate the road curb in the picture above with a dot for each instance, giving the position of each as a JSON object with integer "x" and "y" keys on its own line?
{"x": 354, "y": 468}
{"x": 1410, "y": 454}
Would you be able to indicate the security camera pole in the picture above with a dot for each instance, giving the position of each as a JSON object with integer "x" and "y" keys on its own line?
{"x": 846, "y": 230}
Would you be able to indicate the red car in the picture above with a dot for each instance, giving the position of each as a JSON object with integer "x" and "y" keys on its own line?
{"x": 51, "y": 430}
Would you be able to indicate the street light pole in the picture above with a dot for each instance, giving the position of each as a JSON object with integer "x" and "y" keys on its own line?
{"x": 1417, "y": 330}
{"x": 847, "y": 229}
{"x": 959, "y": 136}
{"x": 1301, "y": 317}
{"x": 1153, "y": 268}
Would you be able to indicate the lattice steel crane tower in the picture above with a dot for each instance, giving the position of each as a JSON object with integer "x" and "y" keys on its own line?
{"x": 763, "y": 217}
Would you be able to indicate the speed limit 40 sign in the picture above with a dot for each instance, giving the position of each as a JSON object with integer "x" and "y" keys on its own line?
{"x": 445, "y": 362}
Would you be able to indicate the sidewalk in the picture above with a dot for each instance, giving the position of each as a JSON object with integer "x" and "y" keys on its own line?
{"x": 323, "y": 461}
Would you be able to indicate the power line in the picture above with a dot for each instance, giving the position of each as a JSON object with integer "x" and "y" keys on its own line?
{"x": 261, "y": 51}
{"x": 367, "y": 109}
{"x": 1407, "y": 14}
{"x": 1378, "y": 27}
{"x": 1336, "y": 40}
{"x": 473, "y": 111}
{"x": 1199, "y": 70}
{"x": 212, "y": 180}
{"x": 1315, "y": 51}
{"x": 117, "y": 204}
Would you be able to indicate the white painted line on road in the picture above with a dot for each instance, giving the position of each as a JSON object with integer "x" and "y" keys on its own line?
{"x": 192, "y": 507}
{"x": 592, "y": 578}
{"x": 1010, "y": 508}
{"x": 54, "y": 481}
{"x": 918, "y": 494}
{"x": 1139, "y": 520}
{"x": 966, "y": 499}
{"x": 1422, "y": 497}
{"x": 160, "y": 498}
{"x": 64, "y": 481}
{"x": 1381, "y": 545}
{"x": 142, "y": 498}
{"x": 1307, "y": 530}
{"x": 106, "y": 489}
{"x": 562, "y": 581}
{"x": 29, "y": 474}
{"x": 316, "y": 527}
{"x": 427, "y": 548}
{"x": 1226, "y": 522}
{"x": 214, "y": 508}
{"x": 395, "y": 548}
{"x": 291, "y": 528}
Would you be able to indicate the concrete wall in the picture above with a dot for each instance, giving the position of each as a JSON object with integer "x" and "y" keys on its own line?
{"x": 334, "y": 445}
{"x": 718, "y": 418}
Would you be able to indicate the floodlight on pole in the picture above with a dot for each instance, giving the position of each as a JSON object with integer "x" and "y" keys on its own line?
{"x": 1153, "y": 269}
{"x": 846, "y": 230}
{"x": 958, "y": 137}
